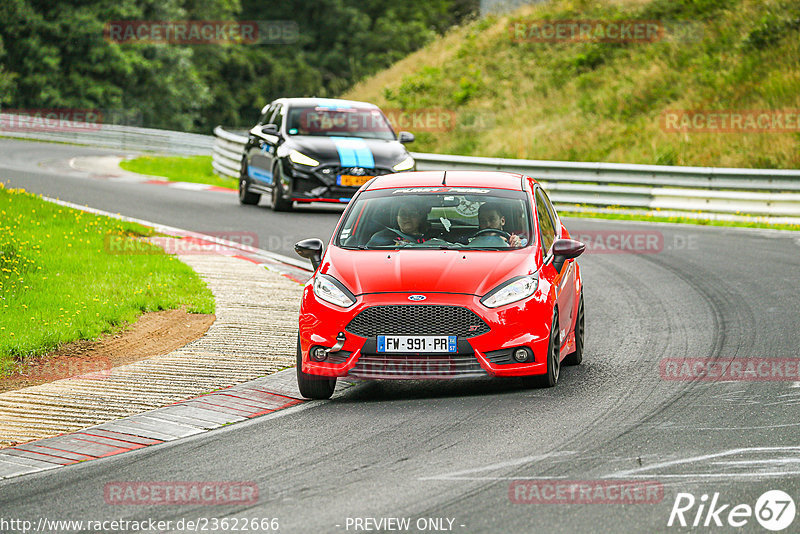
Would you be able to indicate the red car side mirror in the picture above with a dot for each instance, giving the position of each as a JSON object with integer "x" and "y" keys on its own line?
{"x": 564, "y": 249}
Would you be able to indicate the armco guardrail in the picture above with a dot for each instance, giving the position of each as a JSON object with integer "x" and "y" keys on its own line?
{"x": 761, "y": 192}
{"x": 228, "y": 150}
{"x": 625, "y": 174}
{"x": 108, "y": 136}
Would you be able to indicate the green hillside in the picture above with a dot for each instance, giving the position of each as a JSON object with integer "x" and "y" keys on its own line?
{"x": 605, "y": 101}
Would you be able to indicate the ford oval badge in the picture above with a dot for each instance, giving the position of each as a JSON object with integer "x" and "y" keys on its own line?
{"x": 417, "y": 297}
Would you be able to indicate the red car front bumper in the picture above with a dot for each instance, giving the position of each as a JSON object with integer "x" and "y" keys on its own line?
{"x": 525, "y": 323}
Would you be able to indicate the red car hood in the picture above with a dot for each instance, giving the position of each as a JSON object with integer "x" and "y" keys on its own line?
{"x": 418, "y": 271}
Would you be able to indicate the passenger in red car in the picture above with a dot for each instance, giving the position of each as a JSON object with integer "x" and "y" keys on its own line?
{"x": 490, "y": 216}
{"x": 412, "y": 227}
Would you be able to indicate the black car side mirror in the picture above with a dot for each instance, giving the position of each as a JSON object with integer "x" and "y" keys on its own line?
{"x": 406, "y": 137}
{"x": 565, "y": 249}
{"x": 270, "y": 129}
{"x": 310, "y": 249}
{"x": 261, "y": 132}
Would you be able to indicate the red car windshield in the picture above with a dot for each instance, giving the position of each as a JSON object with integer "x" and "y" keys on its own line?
{"x": 437, "y": 218}
{"x": 368, "y": 123}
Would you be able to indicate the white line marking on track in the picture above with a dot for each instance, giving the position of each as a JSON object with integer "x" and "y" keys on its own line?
{"x": 709, "y": 475}
{"x": 739, "y": 427}
{"x": 189, "y": 186}
{"x": 779, "y": 461}
{"x": 698, "y": 459}
{"x": 459, "y": 475}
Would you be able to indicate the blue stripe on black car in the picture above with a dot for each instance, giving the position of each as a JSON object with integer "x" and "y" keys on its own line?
{"x": 354, "y": 152}
{"x": 259, "y": 174}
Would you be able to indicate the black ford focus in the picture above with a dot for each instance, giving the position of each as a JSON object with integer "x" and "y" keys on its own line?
{"x": 318, "y": 150}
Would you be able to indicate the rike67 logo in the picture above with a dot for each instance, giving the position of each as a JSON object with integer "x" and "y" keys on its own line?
{"x": 774, "y": 510}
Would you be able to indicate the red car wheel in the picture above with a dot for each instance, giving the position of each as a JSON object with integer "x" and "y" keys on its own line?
{"x": 311, "y": 386}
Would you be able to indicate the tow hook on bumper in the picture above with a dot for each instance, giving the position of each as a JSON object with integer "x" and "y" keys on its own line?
{"x": 340, "y": 339}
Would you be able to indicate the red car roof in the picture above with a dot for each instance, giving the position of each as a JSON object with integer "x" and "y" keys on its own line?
{"x": 496, "y": 179}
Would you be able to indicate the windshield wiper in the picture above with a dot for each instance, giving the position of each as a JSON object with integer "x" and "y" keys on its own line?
{"x": 384, "y": 247}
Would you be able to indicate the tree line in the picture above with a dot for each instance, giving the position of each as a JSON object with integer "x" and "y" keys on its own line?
{"x": 58, "y": 55}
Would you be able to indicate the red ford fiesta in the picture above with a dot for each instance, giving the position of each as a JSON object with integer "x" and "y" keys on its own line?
{"x": 439, "y": 275}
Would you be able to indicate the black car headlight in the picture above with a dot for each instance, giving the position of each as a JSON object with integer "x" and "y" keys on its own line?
{"x": 301, "y": 159}
{"x": 404, "y": 165}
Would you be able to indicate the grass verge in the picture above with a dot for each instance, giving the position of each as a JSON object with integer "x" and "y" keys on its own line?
{"x": 60, "y": 281}
{"x": 605, "y": 101}
{"x": 195, "y": 169}
{"x": 755, "y": 223}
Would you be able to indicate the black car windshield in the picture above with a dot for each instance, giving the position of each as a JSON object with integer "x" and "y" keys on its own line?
{"x": 467, "y": 218}
{"x": 368, "y": 123}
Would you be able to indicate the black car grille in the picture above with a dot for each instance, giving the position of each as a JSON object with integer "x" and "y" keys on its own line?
{"x": 360, "y": 171}
{"x": 417, "y": 367}
{"x": 417, "y": 320}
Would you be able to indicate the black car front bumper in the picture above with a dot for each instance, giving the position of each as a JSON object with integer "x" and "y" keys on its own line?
{"x": 323, "y": 183}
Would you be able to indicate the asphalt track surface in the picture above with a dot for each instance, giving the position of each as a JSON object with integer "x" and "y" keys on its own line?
{"x": 453, "y": 449}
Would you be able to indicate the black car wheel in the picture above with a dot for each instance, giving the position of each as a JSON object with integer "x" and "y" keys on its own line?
{"x": 278, "y": 202}
{"x": 575, "y": 358}
{"x": 246, "y": 197}
{"x": 312, "y": 386}
{"x": 550, "y": 378}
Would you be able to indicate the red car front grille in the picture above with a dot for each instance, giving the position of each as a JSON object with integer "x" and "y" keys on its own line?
{"x": 417, "y": 320}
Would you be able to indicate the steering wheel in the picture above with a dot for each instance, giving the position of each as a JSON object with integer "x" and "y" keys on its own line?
{"x": 401, "y": 234}
{"x": 491, "y": 231}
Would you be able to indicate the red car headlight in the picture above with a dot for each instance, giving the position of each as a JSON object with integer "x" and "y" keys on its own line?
{"x": 510, "y": 291}
{"x": 331, "y": 290}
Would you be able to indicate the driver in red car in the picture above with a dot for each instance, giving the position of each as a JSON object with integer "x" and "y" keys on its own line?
{"x": 490, "y": 217}
{"x": 412, "y": 224}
